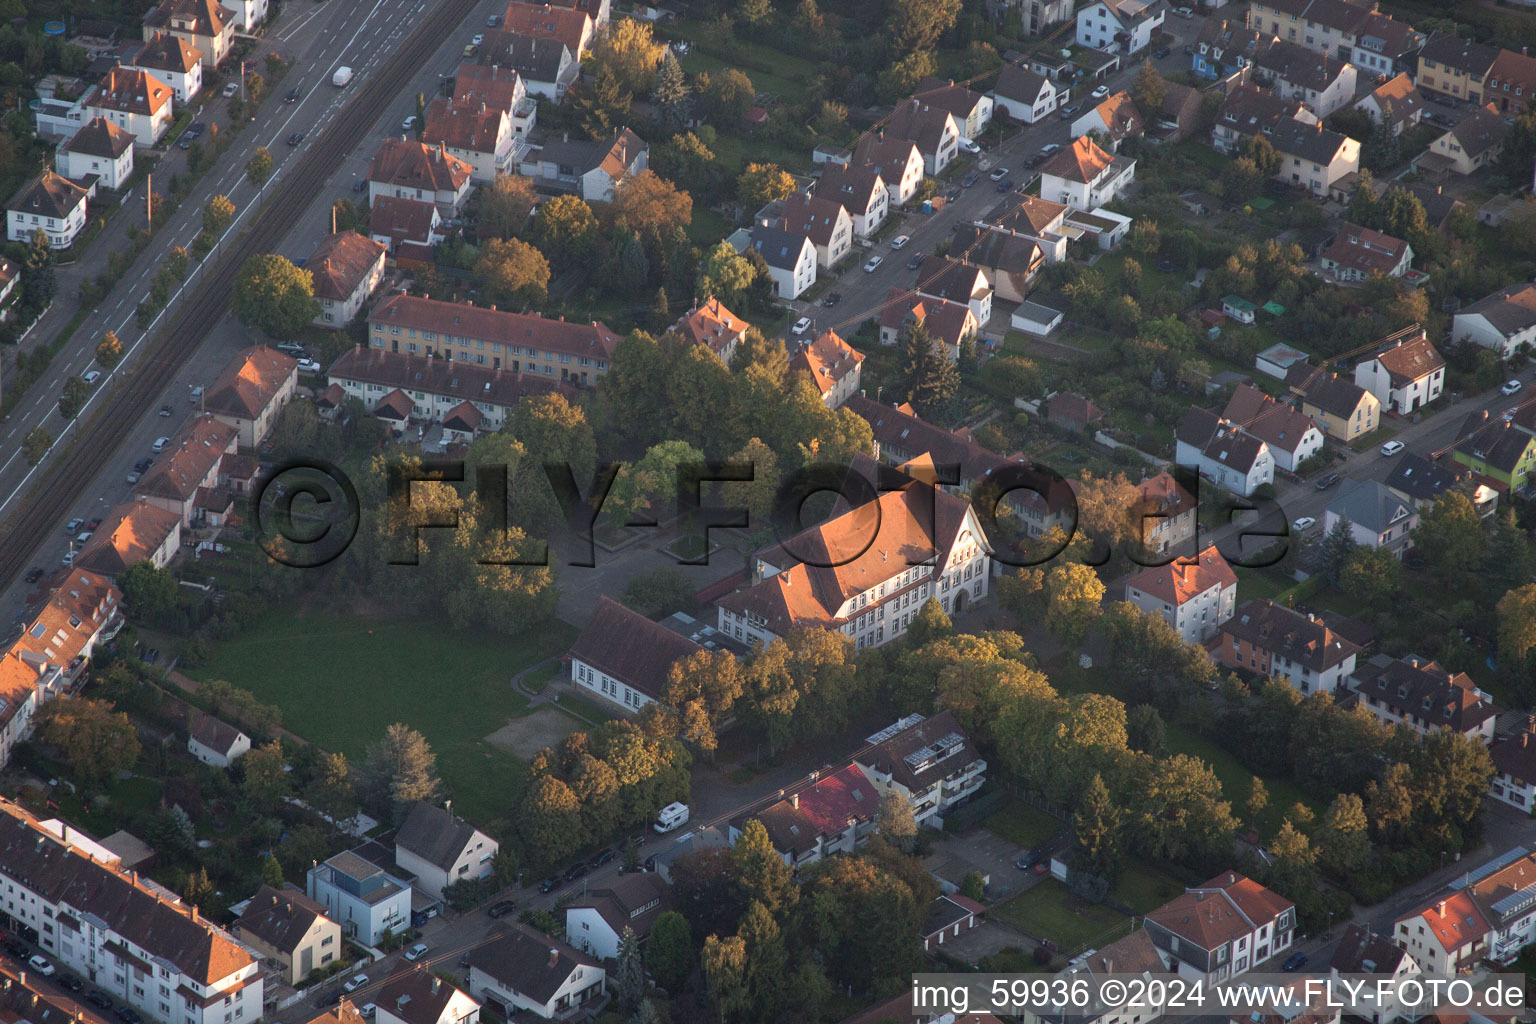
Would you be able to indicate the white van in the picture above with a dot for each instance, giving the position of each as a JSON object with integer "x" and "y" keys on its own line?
{"x": 671, "y": 817}
{"x": 342, "y": 76}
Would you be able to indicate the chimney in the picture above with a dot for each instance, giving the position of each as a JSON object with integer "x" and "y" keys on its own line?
{"x": 566, "y": 136}
{"x": 1231, "y": 878}
{"x": 1440, "y": 908}
{"x": 448, "y": 804}
{"x": 794, "y": 800}
{"x": 554, "y": 956}
{"x": 437, "y": 983}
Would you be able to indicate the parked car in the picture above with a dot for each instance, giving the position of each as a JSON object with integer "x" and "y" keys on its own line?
{"x": 143, "y": 464}
{"x": 34, "y": 574}
{"x": 73, "y": 526}
{"x": 165, "y": 410}
{"x": 969, "y": 179}
{"x": 185, "y": 142}
{"x": 831, "y": 299}
{"x": 230, "y": 89}
{"x": 916, "y": 261}
{"x": 873, "y": 264}
{"x": 576, "y": 871}
{"x": 408, "y": 123}
{"x": 128, "y": 1015}
{"x": 493, "y": 21}
{"x": 160, "y": 444}
{"x": 1030, "y": 859}
{"x": 360, "y": 185}
{"x": 1303, "y": 524}
{"x": 998, "y": 173}
{"x": 355, "y": 982}
{"x": 479, "y": 38}
{"x": 801, "y": 325}
{"x": 1510, "y": 387}
{"x": 549, "y": 885}
{"x": 469, "y": 51}
{"x": 42, "y": 965}
{"x": 416, "y": 952}
{"x": 72, "y": 983}
{"x": 1392, "y": 447}
{"x": 295, "y": 138}
{"x": 308, "y": 366}
{"x": 1161, "y": 52}
{"x": 501, "y": 908}
{"x": 1295, "y": 962}
{"x": 1050, "y": 149}
{"x": 603, "y": 857}
{"x": 293, "y": 348}
{"x": 1101, "y": 92}
{"x": 969, "y": 146}
{"x": 16, "y": 947}
{"x": 900, "y": 240}
{"x": 99, "y": 1000}
{"x": 196, "y": 129}
{"x": 367, "y": 1010}
{"x": 68, "y": 559}
{"x": 1067, "y": 113}
{"x": 91, "y": 376}
{"x": 1006, "y": 185}
{"x": 1183, "y": 12}
{"x": 294, "y": 95}
{"x": 93, "y": 525}
{"x": 1327, "y": 480}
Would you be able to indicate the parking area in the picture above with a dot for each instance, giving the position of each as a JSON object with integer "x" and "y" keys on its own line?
{"x": 979, "y": 850}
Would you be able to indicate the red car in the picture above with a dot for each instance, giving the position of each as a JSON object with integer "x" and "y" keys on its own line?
{"x": 93, "y": 524}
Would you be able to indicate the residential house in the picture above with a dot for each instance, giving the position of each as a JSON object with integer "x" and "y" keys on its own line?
{"x": 520, "y": 969}
{"x": 1025, "y": 96}
{"x": 1362, "y": 951}
{"x": 1504, "y": 321}
{"x": 1342, "y": 409}
{"x": 1010, "y": 261}
{"x": 1322, "y": 82}
{"x": 572, "y": 27}
{"x": 1486, "y": 913}
{"x": 948, "y": 323}
{"x": 215, "y": 742}
{"x": 791, "y": 259}
{"x": 1514, "y": 762}
{"x": 1425, "y": 697}
{"x": 957, "y": 281}
{"x": 1223, "y": 928}
{"x": 1455, "y": 67}
{"x": 393, "y": 222}
{"x": 249, "y": 14}
{"x": 291, "y": 929}
{"x": 1194, "y": 597}
{"x": 1378, "y": 516}
{"x": 926, "y": 544}
{"x": 1279, "y": 360}
{"x": 1394, "y": 104}
{"x": 421, "y": 996}
{"x": 929, "y": 762}
{"x": 432, "y": 388}
{"x": 1168, "y": 514}
{"x": 1439, "y": 205}
{"x": 1473, "y": 143}
{"x": 1180, "y": 115}
{"x": 1386, "y": 46}
{"x": 99, "y": 151}
{"x": 835, "y": 812}
{"x": 439, "y": 850}
{"x": 1221, "y": 451}
{"x": 497, "y": 88}
{"x": 568, "y": 351}
{"x": 27, "y": 994}
{"x": 346, "y": 268}
{"x": 360, "y": 897}
{"x": 27, "y": 681}
{"x": 97, "y": 920}
{"x": 861, "y": 191}
{"x": 590, "y": 169}
{"x": 1115, "y": 119}
{"x": 1500, "y": 453}
{"x": 624, "y": 657}
{"x": 1040, "y": 220}
{"x": 50, "y": 204}
{"x": 1248, "y": 111}
{"x": 1322, "y": 26}
{"x": 206, "y": 25}
{"x": 10, "y": 280}
{"x": 1358, "y": 254}
{"x": 596, "y": 921}
{"x": 1281, "y": 643}
{"x": 929, "y": 127}
{"x": 972, "y": 111}
{"x": 1405, "y": 376}
{"x": 1120, "y": 26}
{"x": 1511, "y": 82}
{"x": 1084, "y": 176}
{"x": 133, "y": 532}
{"x": 413, "y": 170}
{"x": 251, "y": 391}
{"x": 1073, "y": 412}
{"x": 186, "y": 480}
{"x": 824, "y": 221}
{"x": 1039, "y": 14}
{"x": 948, "y": 917}
{"x": 925, "y": 451}
{"x": 714, "y": 327}
{"x": 598, "y": 10}
{"x": 833, "y": 365}
{"x": 477, "y": 133}
{"x": 1424, "y": 481}
{"x": 1312, "y": 157}
{"x": 136, "y": 101}
{"x": 898, "y": 161}
{"x": 1291, "y": 436}
{"x": 1132, "y": 954}
{"x": 547, "y": 66}
{"x": 1225, "y": 47}
{"x": 172, "y": 60}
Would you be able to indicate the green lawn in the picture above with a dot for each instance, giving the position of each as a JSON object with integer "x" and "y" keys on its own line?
{"x": 341, "y": 681}
{"x": 1144, "y": 888}
{"x": 1022, "y": 824}
{"x": 786, "y": 75}
{"x": 1235, "y": 780}
{"x": 1261, "y": 584}
{"x": 1374, "y": 439}
{"x": 1049, "y": 911}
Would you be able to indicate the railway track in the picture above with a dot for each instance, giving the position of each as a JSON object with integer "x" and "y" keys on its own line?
{"x": 97, "y": 440}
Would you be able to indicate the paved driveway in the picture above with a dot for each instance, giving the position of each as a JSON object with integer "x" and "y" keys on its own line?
{"x": 993, "y": 856}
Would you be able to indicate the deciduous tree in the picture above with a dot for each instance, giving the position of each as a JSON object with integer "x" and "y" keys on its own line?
{"x": 274, "y": 296}
{"x": 513, "y": 271}
{"x": 401, "y": 769}
{"x": 760, "y": 184}
{"x": 629, "y": 50}
{"x": 109, "y": 352}
{"x": 506, "y": 203}
{"x": 259, "y": 168}
{"x": 566, "y": 231}
{"x": 97, "y": 742}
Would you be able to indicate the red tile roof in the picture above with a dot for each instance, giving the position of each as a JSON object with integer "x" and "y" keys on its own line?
{"x": 712, "y": 325}
{"x": 402, "y": 220}
{"x": 630, "y": 647}
{"x": 542, "y": 21}
{"x": 250, "y": 382}
{"x": 341, "y": 262}
{"x": 131, "y": 91}
{"x": 476, "y": 126}
{"x": 417, "y": 165}
{"x": 827, "y": 360}
{"x": 1082, "y": 162}
{"x": 1182, "y": 581}
{"x": 568, "y": 337}
{"x": 131, "y": 532}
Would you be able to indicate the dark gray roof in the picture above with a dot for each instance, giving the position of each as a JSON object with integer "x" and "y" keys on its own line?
{"x": 49, "y": 196}
{"x": 100, "y": 137}
{"x": 1219, "y": 440}
{"x": 1462, "y": 54}
{"x": 912, "y": 758}
{"x": 537, "y": 58}
{"x": 529, "y": 962}
{"x": 1250, "y": 110}
{"x": 1480, "y": 130}
{"x": 213, "y": 733}
{"x": 1304, "y": 639}
{"x": 1308, "y": 141}
{"x": 281, "y": 919}
{"x": 1364, "y": 952}
{"x": 434, "y": 835}
{"x": 1300, "y": 66}
{"x": 1510, "y": 309}
{"x": 1371, "y": 504}
{"x": 1019, "y": 83}
{"x": 944, "y": 278}
{"x": 1338, "y": 396}
{"x": 778, "y": 248}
